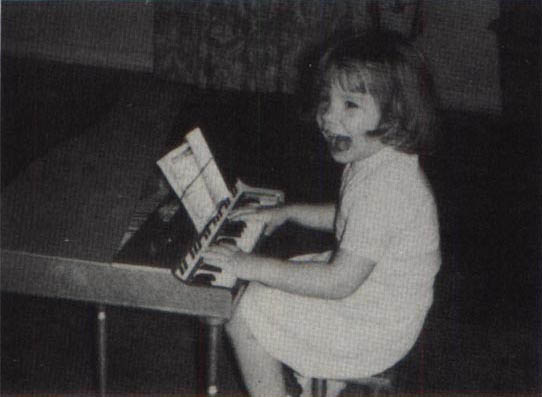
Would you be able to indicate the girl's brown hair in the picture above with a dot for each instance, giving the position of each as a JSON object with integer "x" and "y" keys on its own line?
{"x": 387, "y": 66}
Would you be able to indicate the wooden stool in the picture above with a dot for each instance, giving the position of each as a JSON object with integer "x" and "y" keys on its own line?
{"x": 378, "y": 385}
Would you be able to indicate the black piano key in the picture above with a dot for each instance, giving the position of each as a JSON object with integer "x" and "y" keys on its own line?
{"x": 232, "y": 228}
{"x": 210, "y": 268}
{"x": 203, "y": 279}
{"x": 225, "y": 240}
{"x": 245, "y": 201}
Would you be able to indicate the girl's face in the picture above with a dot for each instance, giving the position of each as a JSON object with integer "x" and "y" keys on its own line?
{"x": 344, "y": 118}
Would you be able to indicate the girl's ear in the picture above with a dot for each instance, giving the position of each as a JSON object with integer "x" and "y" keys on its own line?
{"x": 392, "y": 114}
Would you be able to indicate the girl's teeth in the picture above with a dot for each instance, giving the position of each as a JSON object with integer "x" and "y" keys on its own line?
{"x": 340, "y": 143}
{"x": 337, "y": 143}
{"x": 343, "y": 142}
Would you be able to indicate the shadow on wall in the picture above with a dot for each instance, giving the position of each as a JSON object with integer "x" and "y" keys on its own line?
{"x": 485, "y": 180}
{"x": 44, "y": 103}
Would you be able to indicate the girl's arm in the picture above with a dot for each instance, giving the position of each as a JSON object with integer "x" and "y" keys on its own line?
{"x": 314, "y": 216}
{"x": 335, "y": 280}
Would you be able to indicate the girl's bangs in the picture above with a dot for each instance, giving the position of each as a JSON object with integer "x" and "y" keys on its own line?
{"x": 352, "y": 78}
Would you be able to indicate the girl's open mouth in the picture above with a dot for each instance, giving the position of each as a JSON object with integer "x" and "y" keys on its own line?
{"x": 338, "y": 143}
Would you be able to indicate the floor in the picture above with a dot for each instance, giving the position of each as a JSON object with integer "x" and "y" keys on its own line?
{"x": 483, "y": 334}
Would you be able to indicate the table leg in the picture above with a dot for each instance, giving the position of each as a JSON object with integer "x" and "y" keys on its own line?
{"x": 319, "y": 387}
{"x": 102, "y": 352}
{"x": 214, "y": 338}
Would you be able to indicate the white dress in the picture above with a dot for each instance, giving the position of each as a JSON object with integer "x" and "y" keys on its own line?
{"x": 386, "y": 213}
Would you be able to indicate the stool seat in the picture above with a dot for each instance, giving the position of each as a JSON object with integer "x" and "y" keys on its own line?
{"x": 377, "y": 381}
{"x": 377, "y": 385}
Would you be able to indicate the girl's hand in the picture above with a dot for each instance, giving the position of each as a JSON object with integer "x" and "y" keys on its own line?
{"x": 231, "y": 259}
{"x": 272, "y": 217}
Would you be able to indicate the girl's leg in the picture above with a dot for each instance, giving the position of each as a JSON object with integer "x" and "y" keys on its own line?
{"x": 334, "y": 387}
{"x": 261, "y": 372}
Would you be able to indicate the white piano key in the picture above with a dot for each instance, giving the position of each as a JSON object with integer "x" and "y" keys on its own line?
{"x": 250, "y": 236}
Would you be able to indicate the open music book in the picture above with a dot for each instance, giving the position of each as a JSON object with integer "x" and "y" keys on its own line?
{"x": 177, "y": 243}
{"x": 193, "y": 174}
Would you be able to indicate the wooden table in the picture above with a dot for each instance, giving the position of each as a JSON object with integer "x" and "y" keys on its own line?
{"x": 64, "y": 217}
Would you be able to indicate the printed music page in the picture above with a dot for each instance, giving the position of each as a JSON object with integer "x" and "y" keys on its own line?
{"x": 185, "y": 177}
{"x": 206, "y": 162}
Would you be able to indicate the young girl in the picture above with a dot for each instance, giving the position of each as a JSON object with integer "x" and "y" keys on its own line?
{"x": 357, "y": 311}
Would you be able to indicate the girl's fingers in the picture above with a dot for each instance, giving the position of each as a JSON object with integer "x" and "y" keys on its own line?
{"x": 228, "y": 247}
{"x": 216, "y": 259}
{"x": 221, "y": 256}
{"x": 243, "y": 213}
{"x": 222, "y": 249}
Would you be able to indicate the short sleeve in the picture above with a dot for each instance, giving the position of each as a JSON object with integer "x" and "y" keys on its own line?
{"x": 375, "y": 217}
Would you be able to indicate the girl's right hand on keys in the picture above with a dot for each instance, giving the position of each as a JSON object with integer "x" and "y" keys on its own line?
{"x": 272, "y": 217}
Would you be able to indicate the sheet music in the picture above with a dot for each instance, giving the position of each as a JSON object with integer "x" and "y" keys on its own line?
{"x": 210, "y": 172}
{"x": 194, "y": 176}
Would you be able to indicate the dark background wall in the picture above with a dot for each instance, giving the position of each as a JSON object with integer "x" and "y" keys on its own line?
{"x": 106, "y": 34}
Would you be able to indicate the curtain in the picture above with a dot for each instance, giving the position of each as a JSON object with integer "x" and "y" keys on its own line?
{"x": 255, "y": 45}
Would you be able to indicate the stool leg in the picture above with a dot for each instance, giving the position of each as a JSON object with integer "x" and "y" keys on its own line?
{"x": 102, "y": 350}
{"x": 214, "y": 337}
{"x": 319, "y": 387}
{"x": 381, "y": 391}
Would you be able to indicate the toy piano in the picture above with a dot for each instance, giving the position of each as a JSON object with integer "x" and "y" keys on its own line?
{"x": 167, "y": 236}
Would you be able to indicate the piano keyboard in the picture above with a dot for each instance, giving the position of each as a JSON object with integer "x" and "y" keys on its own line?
{"x": 140, "y": 215}
{"x": 244, "y": 235}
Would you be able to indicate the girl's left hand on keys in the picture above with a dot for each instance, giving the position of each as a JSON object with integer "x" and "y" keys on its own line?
{"x": 272, "y": 217}
{"x": 230, "y": 259}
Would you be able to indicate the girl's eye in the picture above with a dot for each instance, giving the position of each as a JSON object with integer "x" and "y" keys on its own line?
{"x": 351, "y": 105}
{"x": 323, "y": 103}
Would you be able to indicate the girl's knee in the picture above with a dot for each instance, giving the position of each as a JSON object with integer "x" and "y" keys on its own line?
{"x": 237, "y": 328}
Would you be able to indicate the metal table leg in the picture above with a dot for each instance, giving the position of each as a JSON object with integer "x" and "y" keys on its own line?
{"x": 319, "y": 387}
{"x": 214, "y": 338}
{"x": 102, "y": 352}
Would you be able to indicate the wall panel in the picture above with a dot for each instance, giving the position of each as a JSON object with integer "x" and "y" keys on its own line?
{"x": 106, "y": 34}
